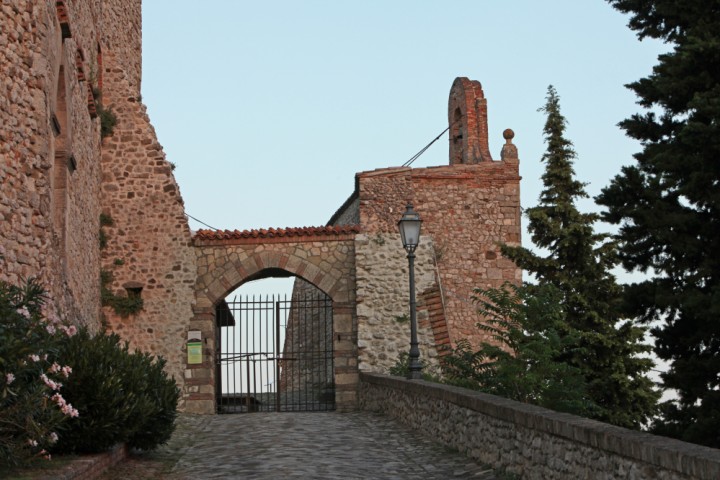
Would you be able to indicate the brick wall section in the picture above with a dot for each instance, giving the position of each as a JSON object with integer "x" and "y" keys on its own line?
{"x": 149, "y": 244}
{"x": 468, "y": 120}
{"x": 322, "y": 256}
{"x": 467, "y": 211}
{"x": 533, "y": 442}
{"x": 431, "y": 301}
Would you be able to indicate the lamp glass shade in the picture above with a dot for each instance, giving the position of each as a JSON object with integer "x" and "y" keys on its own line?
{"x": 409, "y": 226}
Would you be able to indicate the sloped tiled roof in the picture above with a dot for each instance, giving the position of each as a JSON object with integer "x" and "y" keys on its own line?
{"x": 277, "y": 232}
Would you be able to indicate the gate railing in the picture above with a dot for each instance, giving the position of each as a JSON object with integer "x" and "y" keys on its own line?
{"x": 275, "y": 354}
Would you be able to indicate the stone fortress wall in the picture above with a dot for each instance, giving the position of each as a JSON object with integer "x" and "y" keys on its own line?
{"x": 58, "y": 61}
{"x": 50, "y": 153}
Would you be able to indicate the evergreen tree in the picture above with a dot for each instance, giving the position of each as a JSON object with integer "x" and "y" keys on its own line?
{"x": 527, "y": 326}
{"x": 668, "y": 207}
{"x": 578, "y": 263}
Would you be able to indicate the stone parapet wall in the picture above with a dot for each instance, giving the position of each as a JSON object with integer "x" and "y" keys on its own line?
{"x": 530, "y": 441}
{"x": 383, "y": 301}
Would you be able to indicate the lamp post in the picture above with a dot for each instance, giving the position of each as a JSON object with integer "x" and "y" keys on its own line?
{"x": 409, "y": 226}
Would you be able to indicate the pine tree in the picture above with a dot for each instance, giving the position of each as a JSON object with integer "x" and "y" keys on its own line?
{"x": 668, "y": 207}
{"x": 523, "y": 363}
{"x": 578, "y": 263}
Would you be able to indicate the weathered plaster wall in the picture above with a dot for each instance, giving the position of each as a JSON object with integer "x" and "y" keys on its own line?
{"x": 533, "y": 442}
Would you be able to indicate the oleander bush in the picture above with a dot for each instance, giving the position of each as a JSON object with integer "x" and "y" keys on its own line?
{"x": 32, "y": 407}
{"x": 124, "y": 396}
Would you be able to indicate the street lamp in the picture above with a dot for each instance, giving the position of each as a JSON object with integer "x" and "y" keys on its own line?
{"x": 409, "y": 226}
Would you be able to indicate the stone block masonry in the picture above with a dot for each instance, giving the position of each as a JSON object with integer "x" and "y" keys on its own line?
{"x": 323, "y": 256}
{"x": 530, "y": 441}
{"x": 382, "y": 301}
{"x": 50, "y": 154}
{"x": 149, "y": 251}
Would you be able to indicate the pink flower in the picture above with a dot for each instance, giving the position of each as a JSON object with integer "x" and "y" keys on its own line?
{"x": 65, "y": 407}
{"x": 54, "y": 368}
{"x": 9, "y": 378}
{"x": 66, "y": 371}
{"x": 23, "y": 311}
{"x": 69, "y": 331}
{"x": 32, "y": 443}
{"x": 50, "y": 383}
{"x": 53, "y": 437}
{"x": 68, "y": 410}
{"x": 34, "y": 358}
{"x": 50, "y": 329}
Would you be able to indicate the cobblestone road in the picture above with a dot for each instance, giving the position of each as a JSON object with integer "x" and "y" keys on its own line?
{"x": 298, "y": 445}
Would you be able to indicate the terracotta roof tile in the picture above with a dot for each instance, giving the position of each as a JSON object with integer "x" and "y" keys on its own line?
{"x": 206, "y": 234}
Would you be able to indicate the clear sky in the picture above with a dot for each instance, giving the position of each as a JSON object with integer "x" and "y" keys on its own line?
{"x": 269, "y": 108}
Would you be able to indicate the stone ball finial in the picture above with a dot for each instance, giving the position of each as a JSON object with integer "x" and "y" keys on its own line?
{"x": 508, "y": 135}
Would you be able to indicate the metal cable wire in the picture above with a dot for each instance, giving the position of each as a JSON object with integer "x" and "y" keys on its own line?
{"x": 417, "y": 155}
{"x": 200, "y": 221}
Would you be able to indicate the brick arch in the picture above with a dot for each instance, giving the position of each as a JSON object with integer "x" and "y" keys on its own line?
{"x": 235, "y": 273}
{"x": 322, "y": 256}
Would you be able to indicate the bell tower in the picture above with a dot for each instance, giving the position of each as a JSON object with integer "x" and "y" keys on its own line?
{"x": 467, "y": 117}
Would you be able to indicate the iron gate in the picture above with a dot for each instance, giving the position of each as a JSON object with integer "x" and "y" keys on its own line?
{"x": 275, "y": 355}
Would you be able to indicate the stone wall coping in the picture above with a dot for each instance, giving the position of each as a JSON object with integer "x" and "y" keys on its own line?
{"x": 683, "y": 457}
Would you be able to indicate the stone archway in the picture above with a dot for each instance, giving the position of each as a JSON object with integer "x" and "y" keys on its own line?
{"x": 324, "y": 257}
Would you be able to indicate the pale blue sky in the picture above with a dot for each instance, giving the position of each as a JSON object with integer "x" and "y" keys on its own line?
{"x": 269, "y": 108}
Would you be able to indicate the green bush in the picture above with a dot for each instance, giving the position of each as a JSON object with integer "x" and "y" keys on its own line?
{"x": 32, "y": 408}
{"x": 124, "y": 396}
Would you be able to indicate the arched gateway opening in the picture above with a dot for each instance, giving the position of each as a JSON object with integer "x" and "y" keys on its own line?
{"x": 272, "y": 354}
{"x": 275, "y": 350}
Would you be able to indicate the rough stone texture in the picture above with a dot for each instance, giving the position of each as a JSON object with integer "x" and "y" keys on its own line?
{"x": 308, "y": 342}
{"x": 383, "y": 301}
{"x": 48, "y": 213}
{"x": 58, "y": 176}
{"x": 149, "y": 244}
{"x": 530, "y": 441}
{"x": 467, "y": 211}
{"x": 226, "y": 262}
